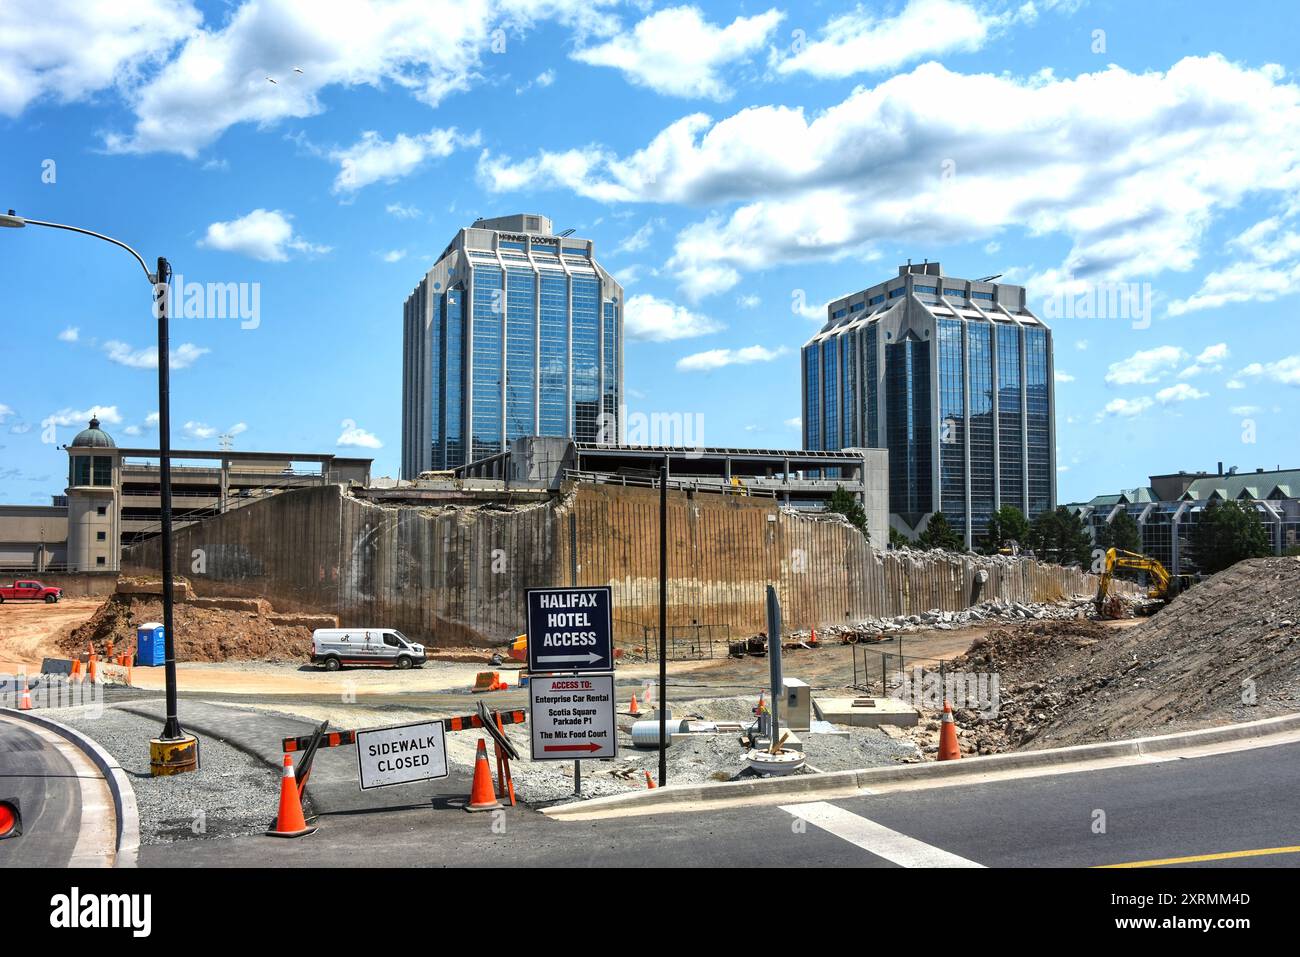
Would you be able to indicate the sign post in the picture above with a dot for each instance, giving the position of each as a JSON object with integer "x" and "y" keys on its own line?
{"x": 571, "y": 680}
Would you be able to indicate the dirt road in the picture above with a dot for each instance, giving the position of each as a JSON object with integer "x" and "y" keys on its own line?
{"x": 29, "y": 629}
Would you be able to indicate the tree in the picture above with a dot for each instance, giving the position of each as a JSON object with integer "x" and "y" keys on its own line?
{"x": 1226, "y": 534}
{"x": 939, "y": 534}
{"x": 846, "y": 504}
{"x": 898, "y": 540}
{"x": 1060, "y": 536}
{"x": 1007, "y": 524}
{"x": 1121, "y": 532}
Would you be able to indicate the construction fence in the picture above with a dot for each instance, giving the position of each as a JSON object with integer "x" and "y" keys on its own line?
{"x": 457, "y": 575}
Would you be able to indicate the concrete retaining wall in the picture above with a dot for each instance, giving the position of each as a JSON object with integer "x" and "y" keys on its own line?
{"x": 451, "y": 577}
{"x": 74, "y": 584}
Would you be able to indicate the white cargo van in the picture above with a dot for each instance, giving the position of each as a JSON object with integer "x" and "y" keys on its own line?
{"x": 380, "y": 647}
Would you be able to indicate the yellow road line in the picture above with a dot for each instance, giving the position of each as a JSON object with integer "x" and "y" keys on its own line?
{"x": 1226, "y": 856}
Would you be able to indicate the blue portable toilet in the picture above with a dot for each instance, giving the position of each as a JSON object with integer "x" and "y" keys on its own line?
{"x": 149, "y": 645}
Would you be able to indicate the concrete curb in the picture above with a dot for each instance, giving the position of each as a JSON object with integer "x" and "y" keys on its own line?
{"x": 119, "y": 783}
{"x": 846, "y": 783}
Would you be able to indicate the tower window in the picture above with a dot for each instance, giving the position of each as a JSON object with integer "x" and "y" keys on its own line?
{"x": 100, "y": 536}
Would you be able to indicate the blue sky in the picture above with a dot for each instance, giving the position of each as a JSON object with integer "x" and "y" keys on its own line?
{"x": 737, "y": 164}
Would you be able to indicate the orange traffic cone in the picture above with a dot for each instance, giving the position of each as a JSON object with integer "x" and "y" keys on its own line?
{"x": 130, "y": 669}
{"x": 76, "y": 674}
{"x": 290, "y": 822}
{"x": 109, "y": 653}
{"x": 948, "y": 748}
{"x": 25, "y": 702}
{"x": 812, "y": 637}
{"x": 92, "y": 665}
{"x": 650, "y": 782}
{"x": 482, "y": 796}
{"x": 633, "y": 709}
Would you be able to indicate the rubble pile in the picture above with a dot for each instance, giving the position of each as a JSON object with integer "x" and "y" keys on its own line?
{"x": 1227, "y": 650}
{"x": 1077, "y": 608}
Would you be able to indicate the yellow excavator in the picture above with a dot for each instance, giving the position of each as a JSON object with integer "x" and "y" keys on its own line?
{"x": 1161, "y": 585}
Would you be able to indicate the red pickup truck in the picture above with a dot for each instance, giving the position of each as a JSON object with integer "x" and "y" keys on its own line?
{"x": 30, "y": 591}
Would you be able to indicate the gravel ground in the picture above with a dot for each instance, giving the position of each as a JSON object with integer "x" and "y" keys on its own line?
{"x": 230, "y": 794}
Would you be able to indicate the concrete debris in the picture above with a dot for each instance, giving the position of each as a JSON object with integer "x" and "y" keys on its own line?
{"x": 1077, "y": 608}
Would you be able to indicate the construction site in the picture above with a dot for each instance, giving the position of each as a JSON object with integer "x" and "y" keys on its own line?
{"x": 874, "y": 646}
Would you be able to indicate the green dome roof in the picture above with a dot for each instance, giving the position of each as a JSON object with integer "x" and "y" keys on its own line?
{"x": 93, "y": 438}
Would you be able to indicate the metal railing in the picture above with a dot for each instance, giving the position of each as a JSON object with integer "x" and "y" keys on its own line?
{"x": 686, "y": 483}
{"x": 695, "y": 642}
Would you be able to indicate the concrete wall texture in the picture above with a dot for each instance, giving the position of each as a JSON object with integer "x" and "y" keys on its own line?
{"x": 458, "y": 576}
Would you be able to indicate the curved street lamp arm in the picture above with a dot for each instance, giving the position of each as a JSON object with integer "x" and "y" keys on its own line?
{"x": 108, "y": 239}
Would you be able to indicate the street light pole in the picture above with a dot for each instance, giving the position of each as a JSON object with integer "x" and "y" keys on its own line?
{"x": 174, "y": 751}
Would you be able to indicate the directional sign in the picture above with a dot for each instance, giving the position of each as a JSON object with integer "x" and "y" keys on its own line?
{"x": 573, "y": 717}
{"x": 401, "y": 755}
{"x": 570, "y": 629}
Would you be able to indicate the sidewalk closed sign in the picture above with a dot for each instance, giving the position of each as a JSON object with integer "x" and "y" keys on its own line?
{"x": 412, "y": 752}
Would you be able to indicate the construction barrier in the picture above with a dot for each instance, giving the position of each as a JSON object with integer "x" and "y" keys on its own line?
{"x": 335, "y": 739}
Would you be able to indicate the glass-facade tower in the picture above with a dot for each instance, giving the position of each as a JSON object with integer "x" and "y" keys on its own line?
{"x": 954, "y": 378}
{"x": 515, "y": 331}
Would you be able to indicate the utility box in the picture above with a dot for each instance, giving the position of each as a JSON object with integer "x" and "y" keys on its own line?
{"x": 798, "y": 705}
{"x": 150, "y": 649}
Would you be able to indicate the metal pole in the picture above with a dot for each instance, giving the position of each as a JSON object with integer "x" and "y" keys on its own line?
{"x": 573, "y": 580}
{"x": 774, "y": 662}
{"x": 663, "y": 623}
{"x": 162, "y": 288}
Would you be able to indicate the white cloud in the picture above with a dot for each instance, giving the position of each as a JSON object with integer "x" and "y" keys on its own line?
{"x": 1081, "y": 345}
{"x": 107, "y": 415}
{"x": 372, "y": 159}
{"x": 750, "y": 301}
{"x": 1245, "y": 410}
{"x": 198, "y": 430}
{"x": 402, "y": 211}
{"x": 70, "y": 334}
{"x": 1210, "y": 360}
{"x": 151, "y": 420}
{"x": 1154, "y": 157}
{"x": 636, "y": 242}
{"x": 5, "y": 411}
{"x": 238, "y": 428}
{"x": 132, "y": 430}
{"x": 218, "y": 78}
{"x": 649, "y": 319}
{"x": 1181, "y": 392}
{"x": 545, "y": 78}
{"x": 1285, "y": 371}
{"x": 183, "y": 356}
{"x": 1127, "y": 408}
{"x": 1269, "y": 267}
{"x": 1145, "y": 366}
{"x": 677, "y": 52}
{"x": 65, "y": 50}
{"x": 795, "y": 423}
{"x": 262, "y": 234}
{"x": 393, "y": 255}
{"x": 1063, "y": 376}
{"x": 860, "y": 42}
{"x": 355, "y": 436}
{"x": 718, "y": 358}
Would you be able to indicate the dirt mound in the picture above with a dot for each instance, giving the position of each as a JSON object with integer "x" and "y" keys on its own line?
{"x": 1225, "y": 651}
{"x": 203, "y": 634}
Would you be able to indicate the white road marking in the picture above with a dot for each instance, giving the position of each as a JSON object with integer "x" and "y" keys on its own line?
{"x": 879, "y": 840}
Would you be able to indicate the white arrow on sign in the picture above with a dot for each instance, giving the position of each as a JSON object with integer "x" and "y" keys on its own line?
{"x": 589, "y": 657}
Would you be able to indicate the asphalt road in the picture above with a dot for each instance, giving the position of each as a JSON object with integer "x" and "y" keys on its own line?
{"x": 1206, "y": 811}
{"x": 66, "y": 807}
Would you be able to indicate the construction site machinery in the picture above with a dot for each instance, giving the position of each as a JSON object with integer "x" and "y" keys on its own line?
{"x": 1161, "y": 585}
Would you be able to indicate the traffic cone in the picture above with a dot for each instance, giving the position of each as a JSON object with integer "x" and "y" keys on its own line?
{"x": 25, "y": 702}
{"x": 633, "y": 709}
{"x": 76, "y": 674}
{"x": 482, "y": 796}
{"x": 650, "y": 782}
{"x": 812, "y": 637}
{"x": 109, "y": 653}
{"x": 92, "y": 665}
{"x": 290, "y": 822}
{"x": 948, "y": 748}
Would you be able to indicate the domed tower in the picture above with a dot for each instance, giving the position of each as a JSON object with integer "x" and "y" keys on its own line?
{"x": 94, "y": 536}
